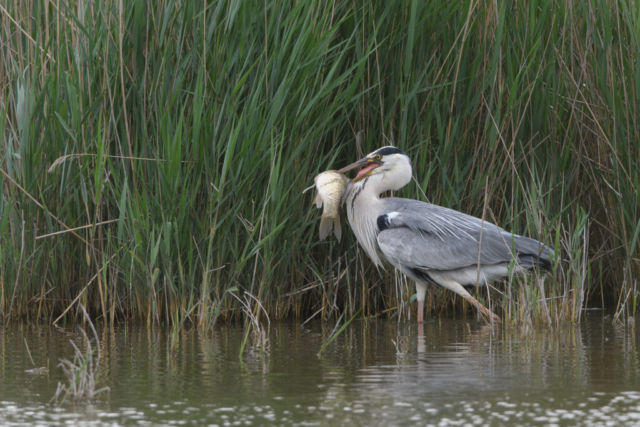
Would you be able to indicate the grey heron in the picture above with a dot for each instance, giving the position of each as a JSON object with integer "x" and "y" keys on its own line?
{"x": 430, "y": 244}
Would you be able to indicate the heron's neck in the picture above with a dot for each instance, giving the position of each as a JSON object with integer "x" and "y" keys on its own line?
{"x": 363, "y": 194}
{"x": 363, "y": 205}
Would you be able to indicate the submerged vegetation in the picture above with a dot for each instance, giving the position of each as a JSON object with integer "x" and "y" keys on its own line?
{"x": 153, "y": 153}
{"x": 83, "y": 372}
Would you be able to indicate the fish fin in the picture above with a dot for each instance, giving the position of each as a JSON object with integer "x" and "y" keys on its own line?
{"x": 325, "y": 227}
{"x": 318, "y": 201}
{"x": 337, "y": 229}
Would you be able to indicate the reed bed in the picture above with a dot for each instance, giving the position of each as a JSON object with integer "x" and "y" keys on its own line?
{"x": 153, "y": 153}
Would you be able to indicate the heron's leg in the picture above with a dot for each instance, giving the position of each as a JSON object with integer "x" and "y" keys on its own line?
{"x": 460, "y": 290}
{"x": 421, "y": 291}
{"x": 484, "y": 310}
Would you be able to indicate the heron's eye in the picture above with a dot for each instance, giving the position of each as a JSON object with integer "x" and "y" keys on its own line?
{"x": 378, "y": 157}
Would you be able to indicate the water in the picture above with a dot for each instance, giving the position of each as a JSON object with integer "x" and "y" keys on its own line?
{"x": 457, "y": 372}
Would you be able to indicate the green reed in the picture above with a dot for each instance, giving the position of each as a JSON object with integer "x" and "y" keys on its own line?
{"x": 180, "y": 135}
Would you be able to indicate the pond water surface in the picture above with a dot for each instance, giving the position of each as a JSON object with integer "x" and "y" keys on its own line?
{"x": 456, "y": 372}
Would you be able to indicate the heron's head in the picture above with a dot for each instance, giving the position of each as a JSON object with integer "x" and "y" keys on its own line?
{"x": 389, "y": 166}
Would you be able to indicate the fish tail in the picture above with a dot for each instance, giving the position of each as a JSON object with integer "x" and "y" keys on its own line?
{"x": 337, "y": 229}
{"x": 325, "y": 227}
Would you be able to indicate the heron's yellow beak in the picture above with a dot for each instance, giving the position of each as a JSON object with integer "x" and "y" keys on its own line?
{"x": 358, "y": 164}
{"x": 368, "y": 164}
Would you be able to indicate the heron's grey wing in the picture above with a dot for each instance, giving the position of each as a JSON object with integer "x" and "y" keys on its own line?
{"x": 431, "y": 236}
{"x": 426, "y": 251}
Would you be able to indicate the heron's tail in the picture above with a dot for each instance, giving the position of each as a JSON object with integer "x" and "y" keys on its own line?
{"x": 533, "y": 260}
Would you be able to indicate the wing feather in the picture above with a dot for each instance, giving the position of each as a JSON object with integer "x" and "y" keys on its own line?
{"x": 426, "y": 236}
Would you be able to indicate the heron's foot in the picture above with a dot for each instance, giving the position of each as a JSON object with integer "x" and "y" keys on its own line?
{"x": 494, "y": 316}
{"x": 472, "y": 289}
{"x": 484, "y": 310}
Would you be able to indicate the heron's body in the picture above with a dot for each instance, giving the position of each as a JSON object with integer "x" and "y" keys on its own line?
{"x": 430, "y": 244}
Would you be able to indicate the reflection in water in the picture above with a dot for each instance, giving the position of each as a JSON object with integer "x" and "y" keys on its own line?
{"x": 374, "y": 373}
